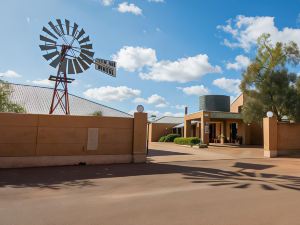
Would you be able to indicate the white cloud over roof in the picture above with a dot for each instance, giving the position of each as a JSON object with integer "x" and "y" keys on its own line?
{"x": 241, "y": 62}
{"x": 109, "y": 93}
{"x": 181, "y": 70}
{"x": 195, "y": 90}
{"x": 245, "y": 30}
{"x": 229, "y": 85}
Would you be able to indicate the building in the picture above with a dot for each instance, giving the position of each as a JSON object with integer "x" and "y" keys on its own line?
{"x": 37, "y": 100}
{"x": 217, "y": 121}
{"x": 163, "y": 126}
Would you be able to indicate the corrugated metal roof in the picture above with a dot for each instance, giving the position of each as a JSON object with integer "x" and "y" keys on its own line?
{"x": 37, "y": 100}
{"x": 170, "y": 119}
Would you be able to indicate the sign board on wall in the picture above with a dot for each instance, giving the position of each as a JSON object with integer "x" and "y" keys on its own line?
{"x": 92, "y": 143}
{"x": 206, "y": 129}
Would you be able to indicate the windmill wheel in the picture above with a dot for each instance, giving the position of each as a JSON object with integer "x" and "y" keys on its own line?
{"x": 66, "y": 47}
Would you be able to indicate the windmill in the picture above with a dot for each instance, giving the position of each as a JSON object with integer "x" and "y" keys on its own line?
{"x": 69, "y": 50}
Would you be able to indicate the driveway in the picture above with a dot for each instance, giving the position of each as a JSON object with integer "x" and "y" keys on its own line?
{"x": 179, "y": 185}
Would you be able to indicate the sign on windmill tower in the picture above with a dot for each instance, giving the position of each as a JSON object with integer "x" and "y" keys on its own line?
{"x": 70, "y": 51}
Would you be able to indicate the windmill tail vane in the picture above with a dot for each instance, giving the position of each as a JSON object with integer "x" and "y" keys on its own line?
{"x": 69, "y": 50}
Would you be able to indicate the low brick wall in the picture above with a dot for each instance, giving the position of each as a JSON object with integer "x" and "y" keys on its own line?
{"x": 37, "y": 140}
{"x": 281, "y": 138}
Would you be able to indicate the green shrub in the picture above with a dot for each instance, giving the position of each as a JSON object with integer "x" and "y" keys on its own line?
{"x": 171, "y": 137}
{"x": 162, "y": 139}
{"x": 187, "y": 141}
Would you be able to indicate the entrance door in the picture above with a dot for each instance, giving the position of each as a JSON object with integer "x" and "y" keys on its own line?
{"x": 233, "y": 132}
{"x": 212, "y": 132}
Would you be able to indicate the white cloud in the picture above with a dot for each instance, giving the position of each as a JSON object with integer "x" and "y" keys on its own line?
{"x": 245, "y": 31}
{"x": 43, "y": 82}
{"x": 125, "y": 7}
{"x": 180, "y": 114}
{"x": 135, "y": 58}
{"x": 106, "y": 2}
{"x": 229, "y": 85}
{"x": 241, "y": 62}
{"x": 108, "y": 93}
{"x": 10, "y": 74}
{"x": 182, "y": 70}
{"x": 155, "y": 99}
{"x": 28, "y": 19}
{"x": 195, "y": 90}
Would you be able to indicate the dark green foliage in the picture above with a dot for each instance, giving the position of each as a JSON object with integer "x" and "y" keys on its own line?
{"x": 187, "y": 141}
{"x": 162, "y": 139}
{"x": 97, "y": 113}
{"x": 5, "y": 104}
{"x": 171, "y": 137}
{"x": 268, "y": 86}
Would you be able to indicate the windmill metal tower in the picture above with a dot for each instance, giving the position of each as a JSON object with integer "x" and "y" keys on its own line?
{"x": 70, "y": 51}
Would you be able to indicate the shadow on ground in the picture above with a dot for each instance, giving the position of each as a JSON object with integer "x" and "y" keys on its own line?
{"x": 153, "y": 152}
{"x": 83, "y": 176}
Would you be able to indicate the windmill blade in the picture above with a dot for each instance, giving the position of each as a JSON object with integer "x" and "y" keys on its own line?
{"x": 86, "y": 52}
{"x": 67, "y": 26}
{"x": 47, "y": 47}
{"x": 54, "y": 28}
{"x": 70, "y": 67}
{"x": 43, "y": 38}
{"x": 82, "y": 32}
{"x": 83, "y": 64}
{"x": 89, "y": 46}
{"x": 55, "y": 62}
{"x": 60, "y": 26}
{"x": 49, "y": 32}
{"x": 63, "y": 66}
{"x": 50, "y": 55}
{"x": 74, "y": 29}
{"x": 77, "y": 67}
{"x": 86, "y": 59}
{"x": 86, "y": 39}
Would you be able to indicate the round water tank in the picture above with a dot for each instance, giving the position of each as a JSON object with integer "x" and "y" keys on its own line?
{"x": 214, "y": 103}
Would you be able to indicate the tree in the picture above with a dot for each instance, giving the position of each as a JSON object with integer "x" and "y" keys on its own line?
{"x": 97, "y": 113}
{"x": 5, "y": 104}
{"x": 267, "y": 84}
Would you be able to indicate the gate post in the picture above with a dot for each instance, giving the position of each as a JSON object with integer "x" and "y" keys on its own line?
{"x": 270, "y": 137}
{"x": 139, "y": 137}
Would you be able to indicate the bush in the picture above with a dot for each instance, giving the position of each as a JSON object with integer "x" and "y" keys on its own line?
{"x": 162, "y": 139}
{"x": 171, "y": 137}
{"x": 187, "y": 141}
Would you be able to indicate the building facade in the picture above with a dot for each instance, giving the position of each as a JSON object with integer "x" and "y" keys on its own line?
{"x": 222, "y": 125}
{"x": 217, "y": 121}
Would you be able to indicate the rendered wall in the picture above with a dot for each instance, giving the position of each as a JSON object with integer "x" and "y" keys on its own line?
{"x": 156, "y": 130}
{"x": 234, "y": 107}
{"x": 56, "y": 135}
{"x": 288, "y": 135}
{"x": 281, "y": 138}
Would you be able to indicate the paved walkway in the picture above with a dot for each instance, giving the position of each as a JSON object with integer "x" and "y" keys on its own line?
{"x": 178, "y": 186}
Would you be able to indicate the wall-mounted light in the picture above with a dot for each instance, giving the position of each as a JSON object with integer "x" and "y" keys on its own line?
{"x": 140, "y": 108}
{"x": 269, "y": 114}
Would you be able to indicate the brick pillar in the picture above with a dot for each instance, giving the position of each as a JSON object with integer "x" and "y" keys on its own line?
{"x": 139, "y": 137}
{"x": 205, "y": 118}
{"x": 187, "y": 128}
{"x": 270, "y": 137}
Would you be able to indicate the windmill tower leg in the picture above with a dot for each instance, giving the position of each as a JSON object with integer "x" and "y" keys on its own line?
{"x": 60, "y": 95}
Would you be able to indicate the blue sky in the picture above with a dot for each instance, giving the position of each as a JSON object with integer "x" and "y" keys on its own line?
{"x": 168, "y": 51}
